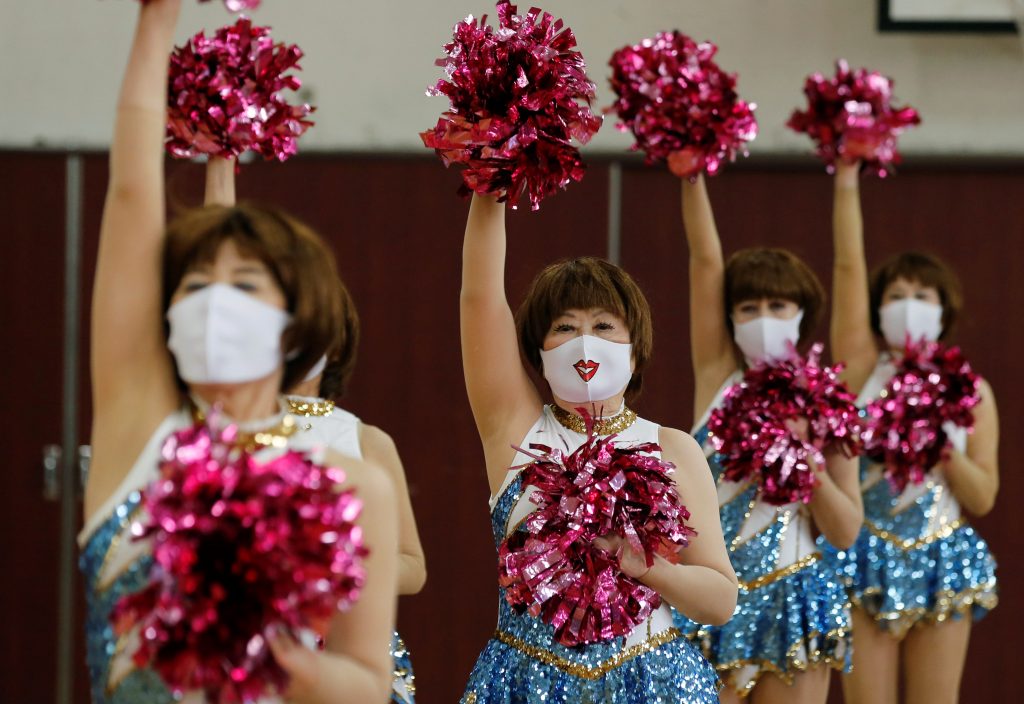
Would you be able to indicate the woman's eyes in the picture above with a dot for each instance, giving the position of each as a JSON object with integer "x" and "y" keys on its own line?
{"x": 604, "y": 326}
{"x": 564, "y": 327}
{"x": 245, "y": 286}
{"x": 193, "y": 286}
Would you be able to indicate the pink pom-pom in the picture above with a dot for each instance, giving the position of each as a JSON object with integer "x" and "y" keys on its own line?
{"x": 680, "y": 106}
{"x": 519, "y": 95}
{"x": 553, "y": 569}
{"x": 240, "y": 547}
{"x": 224, "y": 95}
{"x": 235, "y": 5}
{"x": 851, "y": 117}
{"x": 753, "y": 428}
{"x": 933, "y": 385}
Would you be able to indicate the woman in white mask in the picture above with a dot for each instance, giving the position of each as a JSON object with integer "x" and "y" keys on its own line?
{"x": 322, "y": 421}
{"x": 586, "y": 327}
{"x": 249, "y": 296}
{"x": 791, "y": 624}
{"x": 919, "y": 573}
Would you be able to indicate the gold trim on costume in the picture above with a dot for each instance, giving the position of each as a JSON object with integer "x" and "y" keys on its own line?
{"x": 320, "y": 408}
{"x": 588, "y": 672}
{"x": 815, "y": 658}
{"x": 102, "y": 583}
{"x": 250, "y": 441}
{"x": 781, "y": 573}
{"x": 908, "y": 544}
{"x": 948, "y": 604}
{"x": 602, "y": 426}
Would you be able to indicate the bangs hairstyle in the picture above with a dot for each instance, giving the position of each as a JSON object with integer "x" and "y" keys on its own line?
{"x": 767, "y": 272}
{"x": 585, "y": 283}
{"x": 926, "y": 270}
{"x": 300, "y": 263}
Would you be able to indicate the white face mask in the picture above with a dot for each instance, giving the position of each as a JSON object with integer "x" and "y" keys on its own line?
{"x": 910, "y": 318}
{"x": 767, "y": 339}
{"x": 588, "y": 368}
{"x": 220, "y": 335}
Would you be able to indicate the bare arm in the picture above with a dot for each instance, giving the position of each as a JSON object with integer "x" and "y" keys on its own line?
{"x": 504, "y": 401}
{"x": 133, "y": 382}
{"x": 974, "y": 476}
{"x": 836, "y": 506}
{"x": 852, "y": 339}
{"x": 710, "y": 344}
{"x": 220, "y": 181}
{"x": 379, "y": 449}
{"x": 355, "y": 667}
{"x": 703, "y": 586}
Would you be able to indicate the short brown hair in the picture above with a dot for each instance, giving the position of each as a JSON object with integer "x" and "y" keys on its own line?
{"x": 584, "y": 283}
{"x": 341, "y": 357}
{"x": 925, "y": 269}
{"x": 299, "y": 261}
{"x": 769, "y": 272}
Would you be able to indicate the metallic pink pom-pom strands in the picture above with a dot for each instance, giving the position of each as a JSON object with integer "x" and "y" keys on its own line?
{"x": 681, "y": 107}
{"x": 754, "y": 441}
{"x": 224, "y": 95}
{"x": 239, "y": 547}
{"x": 553, "y": 569}
{"x": 851, "y": 116}
{"x": 933, "y": 385}
{"x": 519, "y": 98}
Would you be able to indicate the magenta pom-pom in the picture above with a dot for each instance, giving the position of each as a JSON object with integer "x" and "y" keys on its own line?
{"x": 851, "y": 116}
{"x": 681, "y": 107}
{"x": 519, "y": 100}
{"x": 553, "y": 569}
{"x": 225, "y": 95}
{"x": 240, "y": 547}
{"x": 933, "y": 386}
{"x": 235, "y": 5}
{"x": 754, "y": 433}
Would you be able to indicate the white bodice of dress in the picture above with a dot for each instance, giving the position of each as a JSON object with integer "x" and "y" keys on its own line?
{"x": 548, "y": 431}
{"x": 332, "y": 427}
{"x": 947, "y": 508}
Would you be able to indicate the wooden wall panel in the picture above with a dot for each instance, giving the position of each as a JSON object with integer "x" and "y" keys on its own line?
{"x": 32, "y": 289}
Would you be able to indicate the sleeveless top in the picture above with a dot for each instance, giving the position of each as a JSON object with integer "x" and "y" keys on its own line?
{"x": 114, "y": 566}
{"x": 791, "y": 610}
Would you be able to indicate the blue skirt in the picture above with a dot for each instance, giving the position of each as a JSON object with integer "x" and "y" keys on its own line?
{"x": 901, "y": 583}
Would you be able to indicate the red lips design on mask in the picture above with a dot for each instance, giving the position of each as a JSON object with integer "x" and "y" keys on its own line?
{"x": 586, "y": 369}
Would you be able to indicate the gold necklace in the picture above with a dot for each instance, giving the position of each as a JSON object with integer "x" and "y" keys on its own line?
{"x": 602, "y": 426}
{"x": 317, "y": 408}
{"x": 250, "y": 441}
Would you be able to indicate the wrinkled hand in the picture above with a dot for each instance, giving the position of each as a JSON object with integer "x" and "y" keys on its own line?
{"x": 686, "y": 163}
{"x": 632, "y": 563}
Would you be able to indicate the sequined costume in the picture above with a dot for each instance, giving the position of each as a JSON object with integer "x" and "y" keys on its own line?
{"x": 917, "y": 559}
{"x": 325, "y": 424}
{"x": 792, "y": 611}
{"x": 523, "y": 664}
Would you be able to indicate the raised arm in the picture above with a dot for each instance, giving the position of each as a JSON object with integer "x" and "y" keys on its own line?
{"x": 711, "y": 347}
{"x": 852, "y": 340}
{"x": 379, "y": 449}
{"x": 220, "y": 181}
{"x": 974, "y": 476}
{"x": 133, "y": 382}
{"x": 355, "y": 666}
{"x": 504, "y": 401}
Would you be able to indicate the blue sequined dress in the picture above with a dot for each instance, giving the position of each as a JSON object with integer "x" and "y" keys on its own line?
{"x": 522, "y": 663}
{"x": 792, "y": 611}
{"x": 327, "y": 425}
{"x": 917, "y": 559}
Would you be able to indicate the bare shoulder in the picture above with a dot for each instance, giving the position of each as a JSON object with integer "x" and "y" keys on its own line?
{"x": 678, "y": 442}
{"x": 374, "y": 439}
{"x": 368, "y": 479}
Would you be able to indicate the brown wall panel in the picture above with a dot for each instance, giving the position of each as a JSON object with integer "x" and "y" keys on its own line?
{"x": 32, "y": 288}
{"x": 970, "y": 215}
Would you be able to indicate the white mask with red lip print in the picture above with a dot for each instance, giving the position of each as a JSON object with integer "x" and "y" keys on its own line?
{"x": 588, "y": 368}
